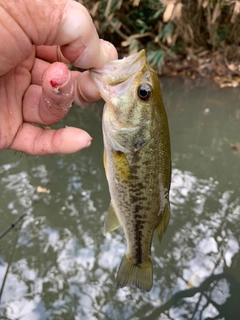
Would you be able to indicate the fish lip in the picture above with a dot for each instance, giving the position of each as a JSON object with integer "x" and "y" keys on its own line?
{"x": 117, "y": 71}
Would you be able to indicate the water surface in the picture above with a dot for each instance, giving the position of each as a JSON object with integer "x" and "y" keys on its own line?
{"x": 57, "y": 264}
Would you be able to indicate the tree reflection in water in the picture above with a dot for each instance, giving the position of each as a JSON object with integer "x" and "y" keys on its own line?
{"x": 62, "y": 266}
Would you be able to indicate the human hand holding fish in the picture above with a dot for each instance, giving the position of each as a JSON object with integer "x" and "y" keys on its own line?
{"x": 35, "y": 88}
{"x": 137, "y": 161}
{"x": 37, "y": 39}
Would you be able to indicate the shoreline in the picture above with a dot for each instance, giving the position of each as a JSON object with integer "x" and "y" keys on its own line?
{"x": 204, "y": 64}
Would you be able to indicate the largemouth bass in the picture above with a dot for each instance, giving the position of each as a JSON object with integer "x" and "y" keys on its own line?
{"x": 137, "y": 161}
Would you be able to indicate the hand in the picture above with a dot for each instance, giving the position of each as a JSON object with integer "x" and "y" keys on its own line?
{"x": 34, "y": 88}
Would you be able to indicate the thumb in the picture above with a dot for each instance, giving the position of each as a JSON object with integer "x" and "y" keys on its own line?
{"x": 79, "y": 40}
{"x": 66, "y": 23}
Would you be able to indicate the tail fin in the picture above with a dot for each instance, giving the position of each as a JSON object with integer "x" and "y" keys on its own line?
{"x": 140, "y": 276}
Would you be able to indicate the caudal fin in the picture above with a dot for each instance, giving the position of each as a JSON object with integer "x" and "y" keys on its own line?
{"x": 140, "y": 276}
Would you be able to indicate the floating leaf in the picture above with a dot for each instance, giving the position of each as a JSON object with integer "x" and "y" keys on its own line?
{"x": 43, "y": 190}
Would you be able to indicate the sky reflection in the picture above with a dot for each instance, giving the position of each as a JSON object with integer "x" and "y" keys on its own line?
{"x": 61, "y": 266}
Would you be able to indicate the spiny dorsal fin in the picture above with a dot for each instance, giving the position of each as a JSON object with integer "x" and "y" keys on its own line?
{"x": 161, "y": 228}
{"x": 111, "y": 221}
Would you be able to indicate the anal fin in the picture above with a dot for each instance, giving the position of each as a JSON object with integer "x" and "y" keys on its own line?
{"x": 111, "y": 221}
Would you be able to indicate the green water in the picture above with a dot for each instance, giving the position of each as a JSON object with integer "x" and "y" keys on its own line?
{"x": 57, "y": 264}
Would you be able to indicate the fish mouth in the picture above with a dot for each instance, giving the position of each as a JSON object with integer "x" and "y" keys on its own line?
{"x": 116, "y": 72}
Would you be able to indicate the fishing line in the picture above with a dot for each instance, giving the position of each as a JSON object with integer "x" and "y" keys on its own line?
{"x": 8, "y": 267}
{"x": 12, "y": 251}
{"x": 13, "y": 225}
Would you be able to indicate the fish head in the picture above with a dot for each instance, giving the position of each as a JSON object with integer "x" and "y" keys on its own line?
{"x": 130, "y": 88}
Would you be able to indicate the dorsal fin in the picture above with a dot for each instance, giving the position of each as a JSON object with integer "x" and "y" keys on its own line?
{"x": 161, "y": 228}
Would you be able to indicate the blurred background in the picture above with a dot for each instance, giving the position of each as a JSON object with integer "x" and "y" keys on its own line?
{"x": 57, "y": 264}
{"x": 181, "y": 36}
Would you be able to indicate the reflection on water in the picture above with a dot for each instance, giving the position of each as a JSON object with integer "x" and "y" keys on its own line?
{"x": 56, "y": 264}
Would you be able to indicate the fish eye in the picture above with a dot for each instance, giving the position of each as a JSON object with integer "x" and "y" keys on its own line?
{"x": 144, "y": 92}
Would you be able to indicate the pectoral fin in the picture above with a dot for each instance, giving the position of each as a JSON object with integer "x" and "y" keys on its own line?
{"x": 111, "y": 222}
{"x": 105, "y": 161}
{"x": 122, "y": 167}
{"x": 161, "y": 228}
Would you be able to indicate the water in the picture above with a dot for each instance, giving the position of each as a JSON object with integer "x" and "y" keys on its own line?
{"x": 57, "y": 264}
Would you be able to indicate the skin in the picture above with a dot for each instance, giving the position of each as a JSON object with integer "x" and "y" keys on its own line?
{"x": 34, "y": 87}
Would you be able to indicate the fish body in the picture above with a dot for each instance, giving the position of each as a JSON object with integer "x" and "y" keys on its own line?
{"x": 137, "y": 161}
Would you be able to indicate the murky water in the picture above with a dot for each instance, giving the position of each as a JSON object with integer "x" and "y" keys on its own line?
{"x": 57, "y": 264}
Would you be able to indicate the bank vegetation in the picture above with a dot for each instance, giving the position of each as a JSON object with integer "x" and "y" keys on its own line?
{"x": 180, "y": 36}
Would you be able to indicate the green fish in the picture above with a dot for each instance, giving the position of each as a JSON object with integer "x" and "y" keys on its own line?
{"x": 137, "y": 161}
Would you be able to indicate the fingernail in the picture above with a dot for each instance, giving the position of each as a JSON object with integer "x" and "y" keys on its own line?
{"x": 73, "y": 140}
{"x": 109, "y": 50}
{"x": 61, "y": 83}
{"x": 88, "y": 143}
{"x": 84, "y": 139}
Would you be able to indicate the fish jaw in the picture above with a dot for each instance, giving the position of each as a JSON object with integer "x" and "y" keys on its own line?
{"x": 118, "y": 75}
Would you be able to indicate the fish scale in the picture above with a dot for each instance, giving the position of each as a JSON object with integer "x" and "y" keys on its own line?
{"x": 137, "y": 161}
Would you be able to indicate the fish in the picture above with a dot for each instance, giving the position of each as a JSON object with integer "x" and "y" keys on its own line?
{"x": 137, "y": 161}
